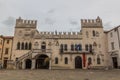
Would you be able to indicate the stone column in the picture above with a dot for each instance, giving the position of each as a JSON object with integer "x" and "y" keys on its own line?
{"x": 33, "y": 64}
{"x": 23, "y": 65}
{"x": 50, "y": 61}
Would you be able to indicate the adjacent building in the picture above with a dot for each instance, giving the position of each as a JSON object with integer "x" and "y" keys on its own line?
{"x": 1, "y": 49}
{"x": 5, "y": 50}
{"x": 114, "y": 47}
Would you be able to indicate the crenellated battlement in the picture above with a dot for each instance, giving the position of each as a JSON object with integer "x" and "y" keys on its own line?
{"x": 59, "y": 35}
{"x": 26, "y": 23}
{"x": 88, "y": 23}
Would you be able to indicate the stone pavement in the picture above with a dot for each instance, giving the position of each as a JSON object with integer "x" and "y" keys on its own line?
{"x": 59, "y": 75}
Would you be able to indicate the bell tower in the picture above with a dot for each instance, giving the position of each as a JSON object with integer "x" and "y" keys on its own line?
{"x": 91, "y": 23}
{"x": 20, "y": 23}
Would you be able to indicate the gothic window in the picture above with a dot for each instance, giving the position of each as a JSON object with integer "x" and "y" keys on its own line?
{"x": 86, "y": 47}
{"x": 56, "y": 60}
{"x": 89, "y": 60}
{"x": 90, "y": 48}
{"x": 93, "y": 33}
{"x": 43, "y": 45}
{"x": 26, "y": 46}
{"x": 76, "y": 47}
{"x": 18, "y": 45}
{"x": 98, "y": 60}
{"x": 30, "y": 46}
{"x": 72, "y": 47}
{"x": 65, "y": 47}
{"x": 66, "y": 60}
{"x": 80, "y": 47}
{"x": 61, "y": 48}
{"x": 22, "y": 46}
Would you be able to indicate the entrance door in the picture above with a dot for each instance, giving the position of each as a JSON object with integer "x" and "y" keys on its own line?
{"x": 28, "y": 63}
{"x": 115, "y": 63}
{"x": 5, "y": 64}
{"x": 42, "y": 62}
{"x": 78, "y": 62}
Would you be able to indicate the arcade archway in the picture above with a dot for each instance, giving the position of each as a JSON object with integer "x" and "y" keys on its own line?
{"x": 28, "y": 64}
{"x": 42, "y": 62}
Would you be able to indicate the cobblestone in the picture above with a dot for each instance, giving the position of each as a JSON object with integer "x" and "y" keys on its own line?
{"x": 59, "y": 75}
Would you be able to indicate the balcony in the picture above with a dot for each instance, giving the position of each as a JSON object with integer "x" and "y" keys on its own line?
{"x": 69, "y": 51}
{"x": 42, "y": 50}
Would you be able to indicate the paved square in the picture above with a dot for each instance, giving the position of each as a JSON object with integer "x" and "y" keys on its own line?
{"x": 59, "y": 75}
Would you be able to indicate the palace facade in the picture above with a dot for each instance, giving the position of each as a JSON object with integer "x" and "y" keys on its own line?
{"x": 88, "y": 48}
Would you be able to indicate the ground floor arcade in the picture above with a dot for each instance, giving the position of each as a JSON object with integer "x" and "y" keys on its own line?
{"x": 45, "y": 61}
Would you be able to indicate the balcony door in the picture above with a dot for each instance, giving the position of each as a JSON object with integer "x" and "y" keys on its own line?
{"x": 78, "y": 62}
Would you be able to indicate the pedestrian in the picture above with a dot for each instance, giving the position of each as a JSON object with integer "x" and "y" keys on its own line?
{"x": 89, "y": 65}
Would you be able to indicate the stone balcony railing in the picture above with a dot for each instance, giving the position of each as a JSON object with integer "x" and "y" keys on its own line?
{"x": 69, "y": 51}
{"x": 41, "y": 50}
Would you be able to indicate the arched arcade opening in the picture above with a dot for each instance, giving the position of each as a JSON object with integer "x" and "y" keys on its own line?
{"x": 42, "y": 62}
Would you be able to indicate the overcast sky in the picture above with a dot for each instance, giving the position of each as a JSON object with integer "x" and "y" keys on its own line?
{"x": 60, "y": 15}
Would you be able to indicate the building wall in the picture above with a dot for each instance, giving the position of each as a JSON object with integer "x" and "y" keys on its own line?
{"x": 114, "y": 37}
{"x": 7, "y": 50}
{"x": 26, "y": 32}
{"x": 1, "y": 48}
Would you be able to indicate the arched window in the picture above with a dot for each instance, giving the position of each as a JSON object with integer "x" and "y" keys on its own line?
{"x": 61, "y": 48}
{"x": 76, "y": 47}
{"x": 30, "y": 46}
{"x": 90, "y": 47}
{"x": 80, "y": 47}
{"x": 98, "y": 60}
{"x": 93, "y": 33}
{"x": 65, "y": 47}
{"x": 56, "y": 60}
{"x": 26, "y": 46}
{"x": 43, "y": 45}
{"x": 72, "y": 47}
{"x": 22, "y": 46}
{"x": 66, "y": 60}
{"x": 18, "y": 45}
{"x": 36, "y": 45}
{"x": 89, "y": 60}
{"x": 86, "y": 47}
